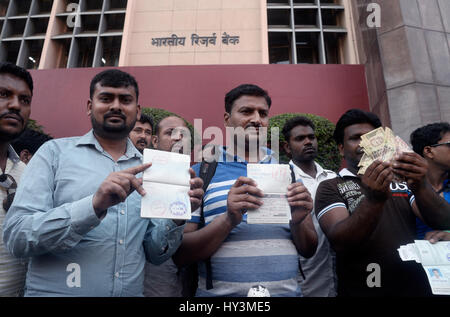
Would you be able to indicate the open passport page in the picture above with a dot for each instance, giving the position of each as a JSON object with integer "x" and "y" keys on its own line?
{"x": 167, "y": 183}
{"x": 273, "y": 180}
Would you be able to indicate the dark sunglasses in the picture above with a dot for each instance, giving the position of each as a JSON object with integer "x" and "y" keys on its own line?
{"x": 439, "y": 144}
{"x": 9, "y": 184}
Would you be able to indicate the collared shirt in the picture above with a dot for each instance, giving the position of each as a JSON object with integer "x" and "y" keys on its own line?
{"x": 396, "y": 226}
{"x": 12, "y": 270}
{"x": 218, "y": 193}
{"x": 252, "y": 254}
{"x": 73, "y": 253}
{"x": 319, "y": 270}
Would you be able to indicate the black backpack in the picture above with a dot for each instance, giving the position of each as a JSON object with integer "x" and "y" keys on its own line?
{"x": 189, "y": 274}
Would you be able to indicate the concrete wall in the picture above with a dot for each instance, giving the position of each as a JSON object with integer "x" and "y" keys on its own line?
{"x": 60, "y": 98}
{"x": 370, "y": 56}
{"x": 414, "y": 56}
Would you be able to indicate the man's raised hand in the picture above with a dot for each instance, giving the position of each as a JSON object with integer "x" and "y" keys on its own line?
{"x": 377, "y": 179}
{"x": 243, "y": 195}
{"x": 196, "y": 192}
{"x": 117, "y": 187}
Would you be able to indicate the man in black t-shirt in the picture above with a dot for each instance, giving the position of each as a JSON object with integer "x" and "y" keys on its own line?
{"x": 368, "y": 217}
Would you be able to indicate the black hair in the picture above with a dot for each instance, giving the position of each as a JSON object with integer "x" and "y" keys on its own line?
{"x": 245, "y": 90}
{"x": 351, "y": 117}
{"x": 19, "y": 72}
{"x": 428, "y": 135}
{"x": 294, "y": 122}
{"x": 30, "y": 140}
{"x": 114, "y": 78}
{"x": 146, "y": 119}
{"x": 157, "y": 127}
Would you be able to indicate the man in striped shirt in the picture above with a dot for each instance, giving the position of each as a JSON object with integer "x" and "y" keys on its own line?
{"x": 16, "y": 91}
{"x": 235, "y": 256}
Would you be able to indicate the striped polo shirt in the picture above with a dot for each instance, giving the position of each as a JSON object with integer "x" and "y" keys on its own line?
{"x": 12, "y": 270}
{"x": 252, "y": 254}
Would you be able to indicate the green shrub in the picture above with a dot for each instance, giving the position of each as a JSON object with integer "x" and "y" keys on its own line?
{"x": 328, "y": 154}
{"x": 33, "y": 125}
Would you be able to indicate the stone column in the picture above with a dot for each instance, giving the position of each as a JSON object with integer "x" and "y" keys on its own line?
{"x": 412, "y": 44}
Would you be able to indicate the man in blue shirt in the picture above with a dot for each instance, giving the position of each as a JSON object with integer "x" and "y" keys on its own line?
{"x": 246, "y": 258}
{"x": 77, "y": 211}
{"x": 433, "y": 143}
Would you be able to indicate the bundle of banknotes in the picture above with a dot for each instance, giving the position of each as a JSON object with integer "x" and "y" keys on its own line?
{"x": 381, "y": 144}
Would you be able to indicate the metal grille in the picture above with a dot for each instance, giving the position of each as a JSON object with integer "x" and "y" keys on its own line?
{"x": 87, "y": 33}
{"x": 305, "y": 31}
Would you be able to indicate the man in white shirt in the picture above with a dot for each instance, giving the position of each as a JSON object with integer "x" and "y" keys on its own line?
{"x": 16, "y": 92}
{"x": 319, "y": 278}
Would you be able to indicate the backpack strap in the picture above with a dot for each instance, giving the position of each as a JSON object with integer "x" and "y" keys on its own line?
{"x": 294, "y": 181}
{"x": 207, "y": 171}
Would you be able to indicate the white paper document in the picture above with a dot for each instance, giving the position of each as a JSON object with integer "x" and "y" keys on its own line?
{"x": 273, "y": 180}
{"x": 167, "y": 185}
{"x": 435, "y": 260}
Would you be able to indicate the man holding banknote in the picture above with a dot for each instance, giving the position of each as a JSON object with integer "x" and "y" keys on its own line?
{"x": 238, "y": 258}
{"x": 369, "y": 210}
{"x": 77, "y": 212}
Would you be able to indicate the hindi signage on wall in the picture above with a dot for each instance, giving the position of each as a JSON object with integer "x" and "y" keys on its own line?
{"x": 175, "y": 40}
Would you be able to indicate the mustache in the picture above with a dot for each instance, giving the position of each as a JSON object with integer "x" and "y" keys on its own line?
{"x": 114, "y": 114}
{"x": 252, "y": 125}
{"x": 142, "y": 141}
{"x": 12, "y": 113}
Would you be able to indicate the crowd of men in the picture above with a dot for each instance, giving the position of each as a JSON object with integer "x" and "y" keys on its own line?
{"x": 70, "y": 220}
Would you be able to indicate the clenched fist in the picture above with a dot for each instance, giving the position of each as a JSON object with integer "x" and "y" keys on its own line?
{"x": 117, "y": 187}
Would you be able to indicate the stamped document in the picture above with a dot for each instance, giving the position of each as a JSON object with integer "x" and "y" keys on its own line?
{"x": 167, "y": 185}
{"x": 435, "y": 260}
{"x": 273, "y": 180}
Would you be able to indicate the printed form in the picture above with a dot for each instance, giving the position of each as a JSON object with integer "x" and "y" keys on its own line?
{"x": 167, "y": 183}
{"x": 435, "y": 260}
{"x": 273, "y": 180}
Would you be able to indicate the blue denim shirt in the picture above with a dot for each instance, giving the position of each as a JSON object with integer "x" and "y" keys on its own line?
{"x": 72, "y": 252}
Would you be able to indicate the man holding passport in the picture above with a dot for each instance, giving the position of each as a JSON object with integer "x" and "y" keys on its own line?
{"x": 163, "y": 280}
{"x": 77, "y": 212}
{"x": 232, "y": 253}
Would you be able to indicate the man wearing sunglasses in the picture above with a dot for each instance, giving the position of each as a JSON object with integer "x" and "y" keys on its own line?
{"x": 433, "y": 143}
{"x": 16, "y": 91}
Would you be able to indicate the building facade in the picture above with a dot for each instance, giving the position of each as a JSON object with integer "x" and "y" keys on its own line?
{"x": 47, "y": 34}
{"x": 406, "y": 55}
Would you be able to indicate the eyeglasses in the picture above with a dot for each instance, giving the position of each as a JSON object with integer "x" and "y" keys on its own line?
{"x": 9, "y": 183}
{"x": 439, "y": 144}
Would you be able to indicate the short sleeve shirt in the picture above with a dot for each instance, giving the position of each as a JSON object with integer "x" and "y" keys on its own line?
{"x": 252, "y": 254}
{"x": 395, "y": 228}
